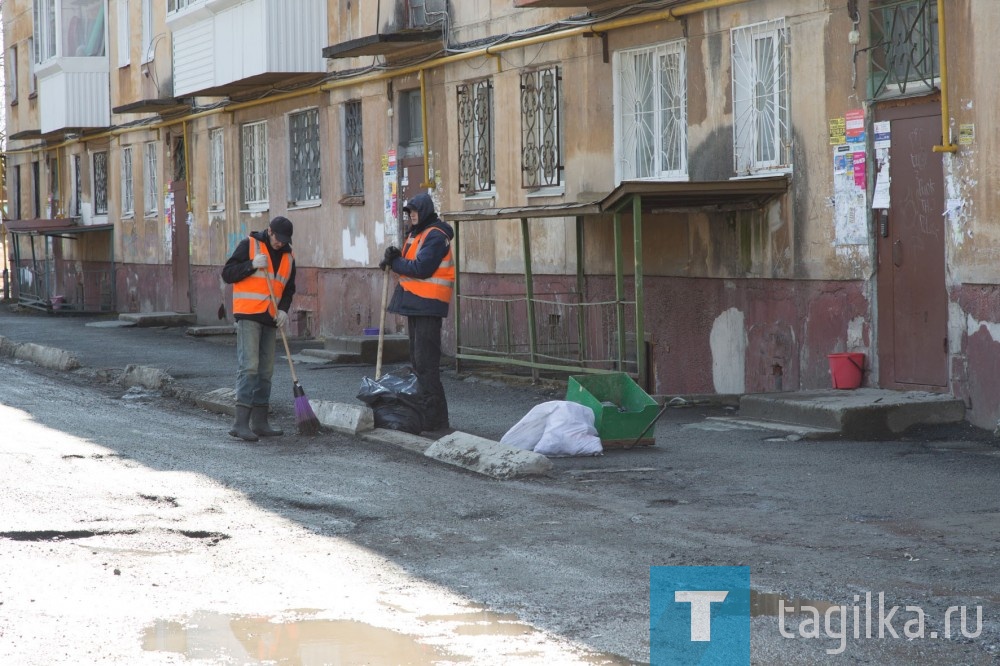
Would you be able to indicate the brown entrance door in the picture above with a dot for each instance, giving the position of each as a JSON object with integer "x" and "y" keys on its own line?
{"x": 411, "y": 178}
{"x": 912, "y": 298}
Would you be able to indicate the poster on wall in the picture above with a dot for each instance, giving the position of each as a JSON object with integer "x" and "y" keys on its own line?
{"x": 849, "y": 184}
{"x": 880, "y": 197}
{"x": 390, "y": 197}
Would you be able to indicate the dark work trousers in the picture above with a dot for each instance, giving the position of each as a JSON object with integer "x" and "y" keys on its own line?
{"x": 425, "y": 356}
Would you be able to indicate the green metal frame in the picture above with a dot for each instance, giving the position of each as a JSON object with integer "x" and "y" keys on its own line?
{"x": 533, "y": 363}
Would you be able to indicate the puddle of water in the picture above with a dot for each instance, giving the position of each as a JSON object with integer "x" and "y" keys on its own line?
{"x": 248, "y": 639}
{"x": 766, "y": 604}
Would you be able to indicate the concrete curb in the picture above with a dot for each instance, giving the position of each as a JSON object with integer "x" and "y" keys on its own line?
{"x": 146, "y": 377}
{"x": 46, "y": 357}
{"x": 344, "y": 418}
{"x": 485, "y": 456}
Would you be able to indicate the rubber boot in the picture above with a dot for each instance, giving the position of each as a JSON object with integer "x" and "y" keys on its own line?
{"x": 259, "y": 424}
{"x": 241, "y": 428}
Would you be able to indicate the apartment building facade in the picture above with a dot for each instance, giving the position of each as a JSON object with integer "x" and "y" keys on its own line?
{"x": 702, "y": 189}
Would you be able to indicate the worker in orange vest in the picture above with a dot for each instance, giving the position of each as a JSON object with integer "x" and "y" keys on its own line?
{"x": 262, "y": 257}
{"x": 426, "y": 271}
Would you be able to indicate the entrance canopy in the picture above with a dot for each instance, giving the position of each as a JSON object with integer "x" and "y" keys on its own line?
{"x": 639, "y": 197}
{"x": 44, "y": 279}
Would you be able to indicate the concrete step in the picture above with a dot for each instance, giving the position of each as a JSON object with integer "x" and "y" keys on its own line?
{"x": 142, "y": 319}
{"x": 864, "y": 413}
{"x": 395, "y": 348}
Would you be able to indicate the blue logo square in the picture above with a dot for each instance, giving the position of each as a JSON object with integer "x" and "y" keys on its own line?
{"x": 699, "y": 615}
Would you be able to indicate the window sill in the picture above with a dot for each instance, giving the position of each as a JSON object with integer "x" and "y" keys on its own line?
{"x": 556, "y": 191}
{"x": 349, "y": 200}
{"x": 294, "y": 205}
{"x": 481, "y": 196}
{"x": 263, "y": 208}
{"x": 763, "y": 173}
{"x": 128, "y": 216}
{"x": 216, "y": 211}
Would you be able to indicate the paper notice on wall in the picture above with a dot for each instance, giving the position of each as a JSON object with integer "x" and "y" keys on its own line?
{"x": 850, "y": 212}
{"x": 854, "y": 122}
{"x": 880, "y": 198}
{"x": 860, "y": 171}
{"x": 882, "y": 136}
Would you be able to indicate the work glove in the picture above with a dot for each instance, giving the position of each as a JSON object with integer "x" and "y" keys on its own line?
{"x": 281, "y": 319}
{"x": 260, "y": 261}
{"x": 391, "y": 252}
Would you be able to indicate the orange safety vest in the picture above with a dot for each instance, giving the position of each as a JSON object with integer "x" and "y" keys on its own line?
{"x": 250, "y": 295}
{"x": 438, "y": 286}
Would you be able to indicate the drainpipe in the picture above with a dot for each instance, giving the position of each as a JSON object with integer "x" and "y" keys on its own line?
{"x": 946, "y": 145}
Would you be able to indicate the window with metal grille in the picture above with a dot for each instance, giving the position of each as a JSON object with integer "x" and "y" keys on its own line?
{"x": 100, "y": 161}
{"x": 254, "y": 159}
{"x": 151, "y": 196}
{"x": 354, "y": 157}
{"x": 36, "y": 187}
{"x": 303, "y": 156}
{"x": 52, "y": 169}
{"x": 475, "y": 135}
{"x": 904, "y": 57}
{"x": 761, "y": 119}
{"x": 17, "y": 192}
{"x": 128, "y": 199}
{"x": 217, "y": 170}
{"x": 651, "y": 113}
{"x": 541, "y": 128}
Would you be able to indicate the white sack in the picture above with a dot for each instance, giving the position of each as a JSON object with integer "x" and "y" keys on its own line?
{"x": 556, "y": 428}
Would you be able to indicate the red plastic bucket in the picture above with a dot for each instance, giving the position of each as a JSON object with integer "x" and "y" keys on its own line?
{"x": 846, "y": 369}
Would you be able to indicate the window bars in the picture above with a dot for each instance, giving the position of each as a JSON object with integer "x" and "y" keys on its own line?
{"x": 904, "y": 55}
{"x": 651, "y": 128}
{"x": 128, "y": 198}
{"x": 101, "y": 183}
{"x": 354, "y": 157}
{"x": 303, "y": 156}
{"x": 254, "y": 158}
{"x": 151, "y": 180}
{"x": 762, "y": 122}
{"x": 217, "y": 173}
{"x": 541, "y": 132}
{"x": 475, "y": 131}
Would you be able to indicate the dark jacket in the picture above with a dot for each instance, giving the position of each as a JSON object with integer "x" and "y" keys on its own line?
{"x": 431, "y": 253}
{"x": 239, "y": 267}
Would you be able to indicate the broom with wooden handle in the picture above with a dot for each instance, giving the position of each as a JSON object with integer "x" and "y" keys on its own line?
{"x": 305, "y": 419}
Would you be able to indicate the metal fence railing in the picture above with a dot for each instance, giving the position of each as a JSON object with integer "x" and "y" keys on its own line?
{"x": 568, "y": 335}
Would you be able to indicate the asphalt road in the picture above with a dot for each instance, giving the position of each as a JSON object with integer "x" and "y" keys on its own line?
{"x": 210, "y": 535}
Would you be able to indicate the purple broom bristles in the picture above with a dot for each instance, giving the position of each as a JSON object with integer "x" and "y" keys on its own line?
{"x": 305, "y": 419}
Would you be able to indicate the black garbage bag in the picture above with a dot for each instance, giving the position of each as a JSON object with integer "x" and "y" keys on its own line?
{"x": 396, "y": 399}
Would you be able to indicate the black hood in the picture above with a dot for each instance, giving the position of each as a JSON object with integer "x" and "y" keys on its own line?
{"x": 423, "y": 206}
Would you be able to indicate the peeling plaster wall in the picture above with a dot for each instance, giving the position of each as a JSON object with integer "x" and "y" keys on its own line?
{"x": 728, "y": 341}
{"x": 974, "y": 344}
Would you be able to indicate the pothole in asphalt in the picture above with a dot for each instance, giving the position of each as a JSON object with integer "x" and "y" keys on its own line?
{"x": 248, "y": 640}
{"x": 59, "y": 535}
